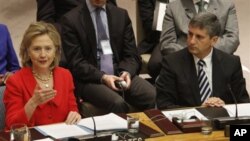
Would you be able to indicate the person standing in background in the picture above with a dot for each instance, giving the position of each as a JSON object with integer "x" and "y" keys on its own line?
{"x": 151, "y": 37}
{"x": 180, "y": 12}
{"x": 41, "y": 92}
{"x": 8, "y": 59}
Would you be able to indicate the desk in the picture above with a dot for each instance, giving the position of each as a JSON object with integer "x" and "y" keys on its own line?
{"x": 215, "y": 136}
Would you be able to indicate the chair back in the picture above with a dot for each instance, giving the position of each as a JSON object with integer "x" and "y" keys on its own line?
{"x": 2, "y": 108}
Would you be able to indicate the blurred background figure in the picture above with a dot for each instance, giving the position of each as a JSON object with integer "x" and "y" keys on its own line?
{"x": 8, "y": 65}
{"x": 150, "y": 43}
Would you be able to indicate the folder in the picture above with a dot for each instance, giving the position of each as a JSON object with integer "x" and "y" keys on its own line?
{"x": 162, "y": 122}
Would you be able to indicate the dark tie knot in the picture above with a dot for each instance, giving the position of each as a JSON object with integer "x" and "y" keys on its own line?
{"x": 201, "y": 63}
{"x": 98, "y": 10}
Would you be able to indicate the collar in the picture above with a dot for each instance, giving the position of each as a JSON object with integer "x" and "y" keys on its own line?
{"x": 195, "y": 1}
{"x": 92, "y": 8}
{"x": 207, "y": 59}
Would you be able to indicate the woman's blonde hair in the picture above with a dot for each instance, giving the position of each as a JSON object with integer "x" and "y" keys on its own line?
{"x": 33, "y": 31}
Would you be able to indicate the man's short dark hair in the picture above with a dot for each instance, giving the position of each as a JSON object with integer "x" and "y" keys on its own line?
{"x": 208, "y": 21}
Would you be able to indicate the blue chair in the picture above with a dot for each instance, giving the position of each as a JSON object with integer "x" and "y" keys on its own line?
{"x": 2, "y": 108}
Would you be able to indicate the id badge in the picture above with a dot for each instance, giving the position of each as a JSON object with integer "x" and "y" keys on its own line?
{"x": 106, "y": 48}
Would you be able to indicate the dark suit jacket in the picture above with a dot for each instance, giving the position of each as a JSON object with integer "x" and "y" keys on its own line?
{"x": 178, "y": 15}
{"x": 177, "y": 84}
{"x": 52, "y": 10}
{"x": 20, "y": 88}
{"x": 146, "y": 11}
{"x": 80, "y": 46}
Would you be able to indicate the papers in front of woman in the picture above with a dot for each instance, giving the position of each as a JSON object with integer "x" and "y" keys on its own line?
{"x": 85, "y": 127}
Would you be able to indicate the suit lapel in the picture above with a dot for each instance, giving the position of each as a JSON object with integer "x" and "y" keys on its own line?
{"x": 111, "y": 23}
{"x": 88, "y": 26}
{"x": 191, "y": 75}
{"x": 189, "y": 8}
{"x": 57, "y": 86}
{"x": 29, "y": 80}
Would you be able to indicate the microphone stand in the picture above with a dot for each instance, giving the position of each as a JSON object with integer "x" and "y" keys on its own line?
{"x": 221, "y": 122}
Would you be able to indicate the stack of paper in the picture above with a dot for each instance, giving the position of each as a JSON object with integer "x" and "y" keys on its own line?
{"x": 85, "y": 127}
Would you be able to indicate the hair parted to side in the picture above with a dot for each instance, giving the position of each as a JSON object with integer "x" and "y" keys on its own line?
{"x": 33, "y": 31}
{"x": 208, "y": 21}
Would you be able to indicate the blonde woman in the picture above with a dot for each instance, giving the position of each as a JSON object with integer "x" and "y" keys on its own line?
{"x": 41, "y": 92}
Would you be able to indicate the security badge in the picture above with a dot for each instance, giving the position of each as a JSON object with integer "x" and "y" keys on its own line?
{"x": 106, "y": 47}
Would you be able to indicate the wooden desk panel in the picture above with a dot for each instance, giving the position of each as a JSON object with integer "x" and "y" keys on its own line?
{"x": 215, "y": 136}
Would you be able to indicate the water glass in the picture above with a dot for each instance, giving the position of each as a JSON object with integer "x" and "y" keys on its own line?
{"x": 207, "y": 126}
{"x": 20, "y": 132}
{"x": 133, "y": 123}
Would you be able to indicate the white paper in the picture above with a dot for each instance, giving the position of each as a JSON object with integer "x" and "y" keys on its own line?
{"x": 161, "y": 14}
{"x": 62, "y": 130}
{"x": 106, "y": 122}
{"x": 183, "y": 114}
{"x": 243, "y": 109}
{"x": 45, "y": 139}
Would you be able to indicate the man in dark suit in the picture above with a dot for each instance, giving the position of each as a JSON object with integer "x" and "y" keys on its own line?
{"x": 84, "y": 48}
{"x": 183, "y": 82}
{"x": 178, "y": 14}
{"x": 51, "y": 11}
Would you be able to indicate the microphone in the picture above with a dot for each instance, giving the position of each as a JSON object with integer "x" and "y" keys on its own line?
{"x": 85, "y": 108}
{"x": 221, "y": 122}
{"x": 234, "y": 99}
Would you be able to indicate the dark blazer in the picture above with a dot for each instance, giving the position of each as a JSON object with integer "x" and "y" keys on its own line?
{"x": 177, "y": 84}
{"x": 146, "y": 11}
{"x": 80, "y": 46}
{"x": 178, "y": 15}
{"x": 52, "y": 10}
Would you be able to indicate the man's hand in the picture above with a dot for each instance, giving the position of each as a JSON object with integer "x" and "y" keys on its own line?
{"x": 126, "y": 77}
{"x": 109, "y": 80}
{"x": 213, "y": 102}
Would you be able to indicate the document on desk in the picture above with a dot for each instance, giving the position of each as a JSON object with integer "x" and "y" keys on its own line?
{"x": 85, "y": 127}
{"x": 183, "y": 114}
{"x": 242, "y": 109}
{"x": 105, "y": 122}
{"x": 62, "y": 130}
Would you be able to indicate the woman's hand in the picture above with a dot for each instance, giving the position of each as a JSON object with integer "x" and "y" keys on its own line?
{"x": 42, "y": 96}
{"x": 73, "y": 117}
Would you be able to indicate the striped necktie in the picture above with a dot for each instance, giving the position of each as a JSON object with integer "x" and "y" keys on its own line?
{"x": 205, "y": 90}
{"x": 106, "y": 60}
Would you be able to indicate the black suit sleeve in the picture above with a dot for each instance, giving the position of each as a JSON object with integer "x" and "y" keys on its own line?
{"x": 166, "y": 85}
{"x": 238, "y": 83}
{"x": 45, "y": 11}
